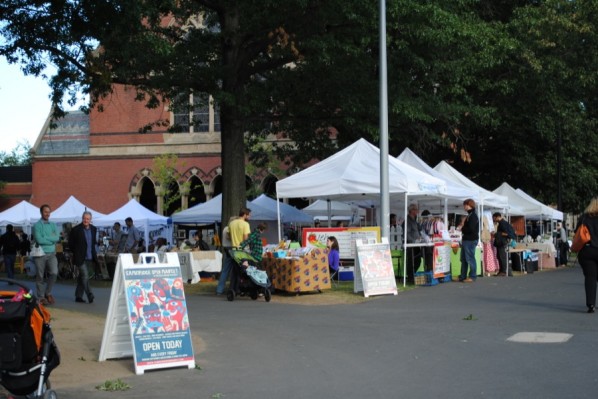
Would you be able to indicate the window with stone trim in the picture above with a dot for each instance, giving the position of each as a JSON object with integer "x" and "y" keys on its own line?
{"x": 195, "y": 113}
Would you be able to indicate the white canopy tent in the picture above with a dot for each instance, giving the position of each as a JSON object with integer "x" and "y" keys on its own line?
{"x": 211, "y": 212}
{"x": 455, "y": 194}
{"x": 288, "y": 213}
{"x": 142, "y": 217}
{"x": 488, "y": 199}
{"x": 353, "y": 174}
{"x": 556, "y": 214}
{"x": 21, "y": 214}
{"x": 71, "y": 211}
{"x": 526, "y": 206}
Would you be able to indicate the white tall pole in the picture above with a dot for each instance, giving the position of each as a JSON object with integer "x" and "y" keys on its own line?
{"x": 384, "y": 196}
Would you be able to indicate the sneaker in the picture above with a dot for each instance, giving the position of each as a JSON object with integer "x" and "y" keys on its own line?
{"x": 500, "y": 274}
{"x": 80, "y": 300}
{"x": 468, "y": 280}
{"x": 50, "y": 299}
{"x": 43, "y": 301}
{"x": 90, "y": 298}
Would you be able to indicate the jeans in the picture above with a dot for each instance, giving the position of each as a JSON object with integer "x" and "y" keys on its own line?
{"x": 227, "y": 265}
{"x": 588, "y": 259}
{"x": 44, "y": 288}
{"x": 83, "y": 280}
{"x": 9, "y": 263}
{"x": 468, "y": 260}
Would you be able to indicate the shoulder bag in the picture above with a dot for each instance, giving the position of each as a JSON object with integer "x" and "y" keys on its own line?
{"x": 36, "y": 251}
{"x": 582, "y": 237}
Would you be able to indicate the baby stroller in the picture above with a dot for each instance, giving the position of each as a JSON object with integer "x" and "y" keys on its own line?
{"x": 247, "y": 279}
{"x": 28, "y": 352}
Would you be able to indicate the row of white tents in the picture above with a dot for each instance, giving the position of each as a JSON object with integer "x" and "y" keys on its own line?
{"x": 340, "y": 183}
{"x": 352, "y": 175}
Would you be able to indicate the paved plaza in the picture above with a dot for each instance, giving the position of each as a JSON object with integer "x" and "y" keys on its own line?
{"x": 520, "y": 337}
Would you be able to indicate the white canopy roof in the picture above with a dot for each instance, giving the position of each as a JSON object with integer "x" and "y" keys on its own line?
{"x": 288, "y": 213}
{"x": 531, "y": 209}
{"x": 556, "y": 214}
{"x": 71, "y": 211}
{"x": 21, "y": 214}
{"x": 488, "y": 199}
{"x": 141, "y": 216}
{"x": 353, "y": 174}
{"x": 211, "y": 212}
{"x": 454, "y": 189}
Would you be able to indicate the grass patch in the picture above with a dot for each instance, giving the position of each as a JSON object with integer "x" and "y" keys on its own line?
{"x": 116, "y": 385}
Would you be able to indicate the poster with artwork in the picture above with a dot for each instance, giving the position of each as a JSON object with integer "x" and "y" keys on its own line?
{"x": 152, "y": 295}
{"x": 374, "y": 273}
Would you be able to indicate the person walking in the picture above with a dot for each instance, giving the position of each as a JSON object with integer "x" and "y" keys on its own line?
{"x": 588, "y": 255}
{"x": 82, "y": 242}
{"x": 469, "y": 242}
{"x": 45, "y": 234}
{"x": 9, "y": 242}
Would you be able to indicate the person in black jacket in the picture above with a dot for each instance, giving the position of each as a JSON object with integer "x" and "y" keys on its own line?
{"x": 470, "y": 235}
{"x": 9, "y": 242}
{"x": 588, "y": 255}
{"x": 82, "y": 242}
{"x": 501, "y": 241}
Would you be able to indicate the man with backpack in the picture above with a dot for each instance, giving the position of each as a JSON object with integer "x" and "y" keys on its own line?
{"x": 503, "y": 234}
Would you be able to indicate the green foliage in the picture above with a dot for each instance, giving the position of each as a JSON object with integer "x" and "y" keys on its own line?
{"x": 19, "y": 156}
{"x": 488, "y": 85}
{"x": 166, "y": 176}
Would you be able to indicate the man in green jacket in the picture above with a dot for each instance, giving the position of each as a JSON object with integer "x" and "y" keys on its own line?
{"x": 45, "y": 234}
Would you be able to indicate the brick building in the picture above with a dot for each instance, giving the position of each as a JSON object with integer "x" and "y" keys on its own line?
{"x": 103, "y": 159}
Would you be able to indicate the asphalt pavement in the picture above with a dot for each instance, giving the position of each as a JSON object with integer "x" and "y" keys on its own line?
{"x": 447, "y": 341}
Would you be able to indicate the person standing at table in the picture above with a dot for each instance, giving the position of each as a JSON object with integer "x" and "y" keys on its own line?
{"x": 588, "y": 255}
{"x": 501, "y": 241}
{"x": 469, "y": 241}
{"x": 117, "y": 241}
{"x": 413, "y": 231}
{"x": 239, "y": 231}
{"x": 82, "y": 242}
{"x": 334, "y": 261}
{"x": 45, "y": 234}
{"x": 562, "y": 244}
{"x": 133, "y": 237}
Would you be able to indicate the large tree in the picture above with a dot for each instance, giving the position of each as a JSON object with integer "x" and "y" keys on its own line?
{"x": 485, "y": 84}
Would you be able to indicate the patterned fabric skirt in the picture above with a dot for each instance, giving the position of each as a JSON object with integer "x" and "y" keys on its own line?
{"x": 489, "y": 258}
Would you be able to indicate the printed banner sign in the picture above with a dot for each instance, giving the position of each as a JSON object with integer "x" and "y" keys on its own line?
{"x": 154, "y": 301}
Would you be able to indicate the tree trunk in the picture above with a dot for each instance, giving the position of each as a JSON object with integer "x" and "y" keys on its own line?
{"x": 233, "y": 164}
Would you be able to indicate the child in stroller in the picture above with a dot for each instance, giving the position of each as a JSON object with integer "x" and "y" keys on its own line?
{"x": 246, "y": 278}
{"x": 28, "y": 352}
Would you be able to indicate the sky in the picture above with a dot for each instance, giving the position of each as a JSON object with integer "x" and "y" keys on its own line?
{"x": 24, "y": 106}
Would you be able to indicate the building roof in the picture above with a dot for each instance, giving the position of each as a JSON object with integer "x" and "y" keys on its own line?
{"x": 66, "y": 136}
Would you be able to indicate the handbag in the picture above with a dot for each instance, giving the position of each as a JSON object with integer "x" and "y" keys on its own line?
{"x": 36, "y": 251}
{"x": 582, "y": 237}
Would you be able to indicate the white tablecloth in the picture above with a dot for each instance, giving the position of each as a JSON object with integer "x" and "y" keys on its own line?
{"x": 545, "y": 247}
{"x": 199, "y": 261}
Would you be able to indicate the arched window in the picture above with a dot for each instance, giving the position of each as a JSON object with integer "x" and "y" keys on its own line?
{"x": 197, "y": 193}
{"x": 148, "y": 194}
{"x": 217, "y": 185}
